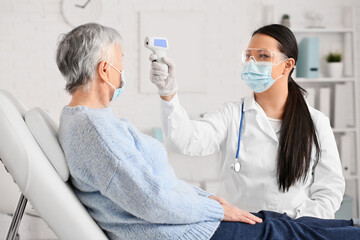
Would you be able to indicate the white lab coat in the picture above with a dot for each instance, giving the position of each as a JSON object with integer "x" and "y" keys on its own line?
{"x": 255, "y": 187}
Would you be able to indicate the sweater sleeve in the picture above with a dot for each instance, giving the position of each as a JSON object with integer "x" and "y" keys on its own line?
{"x": 146, "y": 195}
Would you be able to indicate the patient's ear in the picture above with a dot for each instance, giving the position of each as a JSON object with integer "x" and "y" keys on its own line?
{"x": 103, "y": 71}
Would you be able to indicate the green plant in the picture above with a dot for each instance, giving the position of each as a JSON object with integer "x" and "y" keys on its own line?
{"x": 285, "y": 16}
{"x": 333, "y": 57}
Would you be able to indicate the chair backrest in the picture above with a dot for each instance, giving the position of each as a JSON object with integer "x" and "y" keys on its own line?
{"x": 44, "y": 130}
{"x": 7, "y": 185}
{"x": 36, "y": 176}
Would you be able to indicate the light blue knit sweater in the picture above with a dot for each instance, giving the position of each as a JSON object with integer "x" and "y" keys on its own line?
{"x": 123, "y": 178}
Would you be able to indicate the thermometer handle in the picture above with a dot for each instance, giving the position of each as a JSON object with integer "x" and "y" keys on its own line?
{"x": 160, "y": 54}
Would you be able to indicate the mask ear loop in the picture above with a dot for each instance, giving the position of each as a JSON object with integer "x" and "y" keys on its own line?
{"x": 278, "y": 64}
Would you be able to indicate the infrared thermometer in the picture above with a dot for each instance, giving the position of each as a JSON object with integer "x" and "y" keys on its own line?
{"x": 158, "y": 46}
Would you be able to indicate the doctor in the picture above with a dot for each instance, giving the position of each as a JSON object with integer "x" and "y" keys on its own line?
{"x": 276, "y": 152}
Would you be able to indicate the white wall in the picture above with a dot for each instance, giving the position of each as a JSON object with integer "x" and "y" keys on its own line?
{"x": 29, "y": 31}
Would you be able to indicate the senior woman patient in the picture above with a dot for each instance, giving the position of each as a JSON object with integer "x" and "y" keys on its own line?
{"x": 123, "y": 177}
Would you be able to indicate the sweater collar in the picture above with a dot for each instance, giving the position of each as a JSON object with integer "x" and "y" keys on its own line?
{"x": 84, "y": 108}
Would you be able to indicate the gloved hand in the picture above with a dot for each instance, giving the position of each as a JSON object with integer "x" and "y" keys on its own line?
{"x": 163, "y": 75}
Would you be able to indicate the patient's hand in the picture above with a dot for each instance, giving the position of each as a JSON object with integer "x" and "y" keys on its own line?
{"x": 234, "y": 214}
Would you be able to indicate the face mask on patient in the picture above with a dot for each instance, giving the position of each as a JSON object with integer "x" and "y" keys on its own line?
{"x": 118, "y": 91}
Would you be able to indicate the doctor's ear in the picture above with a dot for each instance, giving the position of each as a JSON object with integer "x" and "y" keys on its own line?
{"x": 103, "y": 71}
{"x": 289, "y": 65}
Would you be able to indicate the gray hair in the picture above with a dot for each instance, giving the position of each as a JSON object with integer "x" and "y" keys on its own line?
{"x": 80, "y": 51}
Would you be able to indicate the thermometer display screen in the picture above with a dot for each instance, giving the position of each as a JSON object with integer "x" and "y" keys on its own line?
{"x": 160, "y": 43}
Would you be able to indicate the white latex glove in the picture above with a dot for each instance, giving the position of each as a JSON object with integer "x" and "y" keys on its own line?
{"x": 163, "y": 75}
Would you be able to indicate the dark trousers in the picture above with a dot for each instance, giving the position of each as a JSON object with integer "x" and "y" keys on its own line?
{"x": 280, "y": 226}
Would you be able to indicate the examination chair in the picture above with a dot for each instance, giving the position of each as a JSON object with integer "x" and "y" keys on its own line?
{"x": 30, "y": 151}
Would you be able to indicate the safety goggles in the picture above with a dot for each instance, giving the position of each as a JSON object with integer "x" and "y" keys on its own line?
{"x": 262, "y": 55}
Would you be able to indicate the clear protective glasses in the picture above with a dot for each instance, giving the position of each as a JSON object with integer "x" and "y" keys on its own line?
{"x": 263, "y": 56}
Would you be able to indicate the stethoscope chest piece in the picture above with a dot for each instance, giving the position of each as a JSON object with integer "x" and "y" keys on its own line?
{"x": 236, "y": 166}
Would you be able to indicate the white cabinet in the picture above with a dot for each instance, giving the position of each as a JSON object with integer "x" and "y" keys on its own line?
{"x": 339, "y": 98}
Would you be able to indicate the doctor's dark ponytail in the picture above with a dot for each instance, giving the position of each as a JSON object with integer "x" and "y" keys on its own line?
{"x": 298, "y": 133}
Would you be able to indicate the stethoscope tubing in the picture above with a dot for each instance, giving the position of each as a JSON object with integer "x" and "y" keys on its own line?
{"x": 236, "y": 165}
{"x": 240, "y": 128}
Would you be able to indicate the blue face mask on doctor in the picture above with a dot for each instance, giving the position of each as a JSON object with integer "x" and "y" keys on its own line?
{"x": 258, "y": 67}
{"x": 118, "y": 91}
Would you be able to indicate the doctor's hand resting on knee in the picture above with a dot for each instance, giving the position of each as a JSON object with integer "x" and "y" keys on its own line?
{"x": 277, "y": 152}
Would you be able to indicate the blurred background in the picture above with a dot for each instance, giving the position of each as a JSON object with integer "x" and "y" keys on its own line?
{"x": 206, "y": 38}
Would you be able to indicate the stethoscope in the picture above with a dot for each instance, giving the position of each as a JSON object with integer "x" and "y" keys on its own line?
{"x": 236, "y": 166}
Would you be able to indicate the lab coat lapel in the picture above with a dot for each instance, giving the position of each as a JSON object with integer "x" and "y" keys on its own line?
{"x": 261, "y": 117}
{"x": 264, "y": 124}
